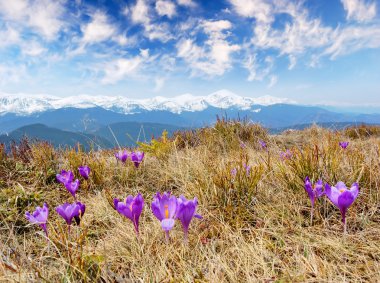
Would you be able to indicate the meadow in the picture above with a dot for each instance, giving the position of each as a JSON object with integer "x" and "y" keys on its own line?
{"x": 256, "y": 224}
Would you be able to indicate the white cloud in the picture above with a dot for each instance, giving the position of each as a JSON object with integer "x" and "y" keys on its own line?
{"x": 140, "y": 12}
{"x": 159, "y": 84}
{"x": 292, "y": 62}
{"x": 11, "y": 74}
{"x": 98, "y": 29}
{"x": 259, "y": 9}
{"x": 9, "y": 36}
{"x": 121, "y": 68}
{"x": 295, "y": 38}
{"x": 353, "y": 38}
{"x": 273, "y": 81}
{"x": 187, "y": 3}
{"x": 32, "y": 48}
{"x": 165, "y": 8}
{"x": 359, "y": 10}
{"x": 158, "y": 32}
{"x": 258, "y": 70}
{"x": 43, "y": 16}
{"x": 214, "y": 57}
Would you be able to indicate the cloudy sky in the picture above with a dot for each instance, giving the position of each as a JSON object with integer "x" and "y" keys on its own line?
{"x": 311, "y": 51}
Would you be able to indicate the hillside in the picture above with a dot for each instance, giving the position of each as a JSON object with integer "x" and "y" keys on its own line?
{"x": 248, "y": 233}
{"x": 39, "y": 132}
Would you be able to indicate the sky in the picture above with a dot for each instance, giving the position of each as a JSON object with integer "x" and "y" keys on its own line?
{"x": 310, "y": 51}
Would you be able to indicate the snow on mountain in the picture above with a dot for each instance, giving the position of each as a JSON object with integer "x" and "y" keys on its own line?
{"x": 23, "y": 104}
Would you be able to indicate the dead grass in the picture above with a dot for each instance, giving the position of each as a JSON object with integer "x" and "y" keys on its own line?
{"x": 255, "y": 229}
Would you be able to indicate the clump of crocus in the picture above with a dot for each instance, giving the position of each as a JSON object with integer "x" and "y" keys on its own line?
{"x": 164, "y": 207}
{"x": 69, "y": 211}
{"x": 137, "y": 157}
{"x": 122, "y": 155}
{"x": 65, "y": 176}
{"x": 233, "y": 173}
{"x": 247, "y": 169}
{"x": 72, "y": 187}
{"x": 286, "y": 154}
{"x": 314, "y": 191}
{"x": 343, "y": 144}
{"x": 263, "y": 144}
{"x": 131, "y": 208}
{"x": 186, "y": 211}
{"x": 342, "y": 197}
{"x": 84, "y": 171}
{"x": 39, "y": 216}
{"x": 243, "y": 145}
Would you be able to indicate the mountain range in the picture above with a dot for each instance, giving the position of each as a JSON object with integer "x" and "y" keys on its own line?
{"x": 111, "y": 119}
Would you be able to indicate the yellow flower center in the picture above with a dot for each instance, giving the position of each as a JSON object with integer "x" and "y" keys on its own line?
{"x": 130, "y": 207}
{"x": 341, "y": 190}
{"x": 166, "y": 211}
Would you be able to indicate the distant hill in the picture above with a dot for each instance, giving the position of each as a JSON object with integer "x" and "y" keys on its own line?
{"x": 123, "y": 134}
{"x": 127, "y": 133}
{"x": 39, "y": 132}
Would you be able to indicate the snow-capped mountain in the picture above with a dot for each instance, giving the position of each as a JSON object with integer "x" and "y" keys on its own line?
{"x": 22, "y": 104}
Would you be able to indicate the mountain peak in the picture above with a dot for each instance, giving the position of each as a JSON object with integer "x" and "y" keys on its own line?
{"x": 28, "y": 104}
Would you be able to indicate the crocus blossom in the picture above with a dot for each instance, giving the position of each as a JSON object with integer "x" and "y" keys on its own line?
{"x": 286, "y": 154}
{"x": 137, "y": 158}
{"x": 314, "y": 191}
{"x": 233, "y": 172}
{"x": 186, "y": 211}
{"x": 72, "y": 187}
{"x": 69, "y": 211}
{"x": 342, "y": 197}
{"x": 164, "y": 207}
{"x": 82, "y": 209}
{"x": 131, "y": 208}
{"x": 263, "y": 144}
{"x": 122, "y": 155}
{"x": 84, "y": 171}
{"x": 39, "y": 216}
{"x": 343, "y": 144}
{"x": 247, "y": 169}
{"x": 65, "y": 176}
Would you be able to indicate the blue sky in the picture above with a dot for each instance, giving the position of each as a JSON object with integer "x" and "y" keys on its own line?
{"x": 311, "y": 51}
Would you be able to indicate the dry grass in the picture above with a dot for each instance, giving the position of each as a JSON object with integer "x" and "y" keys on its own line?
{"x": 255, "y": 228}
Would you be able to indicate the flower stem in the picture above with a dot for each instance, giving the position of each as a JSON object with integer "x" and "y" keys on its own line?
{"x": 167, "y": 237}
{"x": 311, "y": 215}
{"x": 344, "y": 226}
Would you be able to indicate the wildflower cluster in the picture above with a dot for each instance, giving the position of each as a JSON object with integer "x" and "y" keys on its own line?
{"x": 67, "y": 211}
{"x": 165, "y": 207}
{"x": 135, "y": 156}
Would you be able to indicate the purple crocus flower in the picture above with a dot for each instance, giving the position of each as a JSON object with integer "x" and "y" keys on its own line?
{"x": 314, "y": 191}
{"x": 69, "y": 211}
{"x": 233, "y": 172}
{"x": 72, "y": 187}
{"x": 186, "y": 211}
{"x": 65, "y": 176}
{"x": 247, "y": 169}
{"x": 243, "y": 145}
{"x": 82, "y": 209}
{"x": 137, "y": 158}
{"x": 39, "y": 216}
{"x": 343, "y": 144}
{"x": 131, "y": 208}
{"x": 286, "y": 154}
{"x": 164, "y": 207}
{"x": 263, "y": 144}
{"x": 122, "y": 155}
{"x": 84, "y": 171}
{"x": 342, "y": 197}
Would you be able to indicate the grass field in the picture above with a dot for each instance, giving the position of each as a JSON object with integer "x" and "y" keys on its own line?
{"x": 255, "y": 227}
